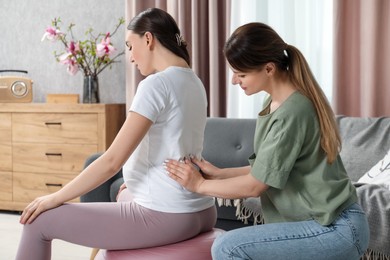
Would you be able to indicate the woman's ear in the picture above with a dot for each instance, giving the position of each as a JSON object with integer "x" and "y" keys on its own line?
{"x": 270, "y": 68}
{"x": 149, "y": 39}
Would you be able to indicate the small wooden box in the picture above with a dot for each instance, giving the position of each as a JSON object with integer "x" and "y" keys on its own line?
{"x": 62, "y": 98}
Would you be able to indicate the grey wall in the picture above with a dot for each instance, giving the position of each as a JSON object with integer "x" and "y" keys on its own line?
{"x": 22, "y": 25}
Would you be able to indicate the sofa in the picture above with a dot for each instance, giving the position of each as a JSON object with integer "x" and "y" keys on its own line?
{"x": 229, "y": 142}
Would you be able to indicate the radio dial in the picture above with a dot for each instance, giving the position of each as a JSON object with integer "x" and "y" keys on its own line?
{"x": 19, "y": 89}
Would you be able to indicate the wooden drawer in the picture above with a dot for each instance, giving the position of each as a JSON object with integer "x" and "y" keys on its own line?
{"x": 51, "y": 158}
{"x": 55, "y": 128}
{"x": 5, "y": 142}
{"x": 5, "y": 122}
{"x": 28, "y": 186}
{"x": 5, "y": 156}
{"x": 5, "y": 186}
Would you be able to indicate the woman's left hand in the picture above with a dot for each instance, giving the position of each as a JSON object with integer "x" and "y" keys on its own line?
{"x": 184, "y": 173}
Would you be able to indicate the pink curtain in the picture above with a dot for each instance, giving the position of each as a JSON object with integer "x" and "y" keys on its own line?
{"x": 362, "y": 58}
{"x": 204, "y": 25}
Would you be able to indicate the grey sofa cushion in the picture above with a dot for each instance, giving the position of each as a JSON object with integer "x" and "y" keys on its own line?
{"x": 228, "y": 143}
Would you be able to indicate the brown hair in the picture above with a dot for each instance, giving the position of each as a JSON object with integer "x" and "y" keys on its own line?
{"x": 162, "y": 26}
{"x": 253, "y": 45}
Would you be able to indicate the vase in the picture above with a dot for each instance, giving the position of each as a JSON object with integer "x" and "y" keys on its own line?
{"x": 91, "y": 89}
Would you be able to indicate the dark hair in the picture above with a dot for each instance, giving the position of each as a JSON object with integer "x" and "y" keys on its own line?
{"x": 253, "y": 45}
{"x": 162, "y": 26}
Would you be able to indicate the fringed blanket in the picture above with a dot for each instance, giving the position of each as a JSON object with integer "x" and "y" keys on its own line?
{"x": 372, "y": 255}
{"x": 245, "y": 209}
{"x": 375, "y": 201}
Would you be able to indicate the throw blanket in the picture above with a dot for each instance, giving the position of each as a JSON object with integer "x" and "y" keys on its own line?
{"x": 374, "y": 200}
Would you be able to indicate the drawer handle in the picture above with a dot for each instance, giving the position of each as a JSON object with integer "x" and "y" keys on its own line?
{"x": 53, "y": 123}
{"x": 53, "y": 154}
{"x": 53, "y": 184}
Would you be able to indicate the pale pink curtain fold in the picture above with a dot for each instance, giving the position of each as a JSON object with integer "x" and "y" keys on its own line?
{"x": 204, "y": 25}
{"x": 362, "y": 58}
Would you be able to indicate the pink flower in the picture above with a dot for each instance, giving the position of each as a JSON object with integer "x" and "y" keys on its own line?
{"x": 69, "y": 59}
{"x": 52, "y": 34}
{"x": 105, "y": 47}
{"x": 73, "y": 47}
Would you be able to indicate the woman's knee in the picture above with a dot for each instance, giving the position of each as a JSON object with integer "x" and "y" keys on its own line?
{"x": 225, "y": 245}
{"x": 217, "y": 249}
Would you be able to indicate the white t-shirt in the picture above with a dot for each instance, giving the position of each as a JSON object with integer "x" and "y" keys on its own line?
{"x": 175, "y": 101}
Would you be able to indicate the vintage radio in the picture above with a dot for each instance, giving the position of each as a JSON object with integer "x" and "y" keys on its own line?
{"x": 15, "y": 89}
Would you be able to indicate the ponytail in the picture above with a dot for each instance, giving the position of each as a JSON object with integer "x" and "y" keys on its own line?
{"x": 302, "y": 77}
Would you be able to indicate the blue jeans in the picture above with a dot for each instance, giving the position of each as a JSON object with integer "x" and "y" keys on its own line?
{"x": 346, "y": 238}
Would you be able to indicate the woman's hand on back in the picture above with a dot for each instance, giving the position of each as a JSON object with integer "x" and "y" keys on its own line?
{"x": 185, "y": 173}
{"x": 208, "y": 170}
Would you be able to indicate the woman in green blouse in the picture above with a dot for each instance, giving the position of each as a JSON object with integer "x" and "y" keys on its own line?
{"x": 309, "y": 203}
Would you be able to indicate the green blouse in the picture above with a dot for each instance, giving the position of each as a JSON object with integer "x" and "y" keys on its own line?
{"x": 289, "y": 159}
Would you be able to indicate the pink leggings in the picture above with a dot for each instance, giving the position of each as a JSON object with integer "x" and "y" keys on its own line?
{"x": 120, "y": 225}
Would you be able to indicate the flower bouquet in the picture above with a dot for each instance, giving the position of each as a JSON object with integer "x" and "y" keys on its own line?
{"x": 91, "y": 56}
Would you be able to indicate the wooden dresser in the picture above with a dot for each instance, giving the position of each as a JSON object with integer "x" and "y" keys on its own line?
{"x": 44, "y": 146}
